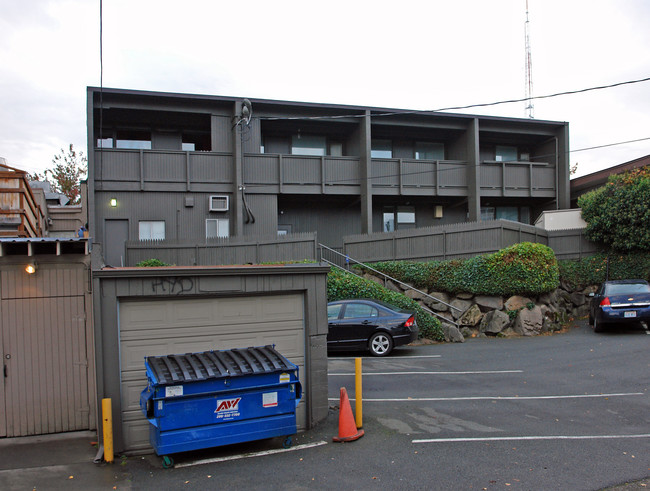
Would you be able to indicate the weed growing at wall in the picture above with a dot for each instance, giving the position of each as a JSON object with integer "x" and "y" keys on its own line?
{"x": 341, "y": 286}
{"x": 151, "y": 263}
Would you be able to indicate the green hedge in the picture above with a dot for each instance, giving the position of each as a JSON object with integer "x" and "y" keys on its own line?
{"x": 592, "y": 270}
{"x": 341, "y": 286}
{"x": 521, "y": 269}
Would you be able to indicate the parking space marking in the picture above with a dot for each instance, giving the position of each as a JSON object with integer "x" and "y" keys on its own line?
{"x": 475, "y": 372}
{"x": 252, "y": 454}
{"x": 496, "y": 398}
{"x": 528, "y": 438}
{"x": 387, "y": 358}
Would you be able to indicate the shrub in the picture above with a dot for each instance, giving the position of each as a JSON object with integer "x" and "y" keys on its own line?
{"x": 341, "y": 286}
{"x": 151, "y": 263}
{"x": 618, "y": 213}
{"x": 523, "y": 269}
{"x": 592, "y": 270}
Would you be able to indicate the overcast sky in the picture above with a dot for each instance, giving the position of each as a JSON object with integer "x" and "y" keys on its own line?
{"x": 405, "y": 54}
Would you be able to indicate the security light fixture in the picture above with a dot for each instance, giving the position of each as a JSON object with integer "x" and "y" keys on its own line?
{"x": 113, "y": 202}
{"x": 31, "y": 268}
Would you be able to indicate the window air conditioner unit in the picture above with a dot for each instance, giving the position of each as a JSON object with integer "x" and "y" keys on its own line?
{"x": 218, "y": 203}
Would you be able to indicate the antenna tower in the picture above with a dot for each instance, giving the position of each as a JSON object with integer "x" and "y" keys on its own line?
{"x": 530, "y": 109}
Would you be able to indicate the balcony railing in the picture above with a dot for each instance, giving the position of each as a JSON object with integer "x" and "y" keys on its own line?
{"x": 301, "y": 174}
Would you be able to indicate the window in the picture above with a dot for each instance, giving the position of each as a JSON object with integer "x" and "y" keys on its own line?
{"x": 429, "y": 151}
{"x": 333, "y": 311}
{"x": 399, "y": 218}
{"x": 217, "y": 227}
{"x": 513, "y": 213}
{"x": 356, "y": 310}
{"x": 196, "y": 142}
{"x": 133, "y": 139}
{"x": 308, "y": 145}
{"x": 381, "y": 149}
{"x": 505, "y": 153}
{"x": 152, "y": 230}
{"x": 104, "y": 143}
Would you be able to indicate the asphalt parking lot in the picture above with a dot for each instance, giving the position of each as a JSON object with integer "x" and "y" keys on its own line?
{"x": 568, "y": 411}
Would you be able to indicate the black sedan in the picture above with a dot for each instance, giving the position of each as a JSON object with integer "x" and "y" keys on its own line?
{"x": 368, "y": 325}
{"x": 619, "y": 302}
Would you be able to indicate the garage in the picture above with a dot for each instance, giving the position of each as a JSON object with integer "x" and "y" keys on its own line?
{"x": 188, "y": 325}
{"x": 160, "y": 311}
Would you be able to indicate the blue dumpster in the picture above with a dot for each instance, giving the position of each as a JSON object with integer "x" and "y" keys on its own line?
{"x": 213, "y": 398}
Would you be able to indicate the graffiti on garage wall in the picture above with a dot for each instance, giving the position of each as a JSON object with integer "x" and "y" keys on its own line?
{"x": 174, "y": 286}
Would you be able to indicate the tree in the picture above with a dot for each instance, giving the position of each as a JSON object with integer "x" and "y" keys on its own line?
{"x": 69, "y": 168}
{"x": 618, "y": 213}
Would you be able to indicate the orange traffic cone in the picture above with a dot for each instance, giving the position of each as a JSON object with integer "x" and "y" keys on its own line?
{"x": 347, "y": 428}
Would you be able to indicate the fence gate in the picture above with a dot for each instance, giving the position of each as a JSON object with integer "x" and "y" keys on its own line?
{"x": 43, "y": 340}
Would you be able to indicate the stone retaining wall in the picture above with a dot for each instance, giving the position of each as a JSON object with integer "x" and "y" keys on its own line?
{"x": 483, "y": 315}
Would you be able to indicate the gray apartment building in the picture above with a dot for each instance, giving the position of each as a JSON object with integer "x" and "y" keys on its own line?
{"x": 189, "y": 168}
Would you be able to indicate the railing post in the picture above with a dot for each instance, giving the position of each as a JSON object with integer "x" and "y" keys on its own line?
{"x": 141, "y": 170}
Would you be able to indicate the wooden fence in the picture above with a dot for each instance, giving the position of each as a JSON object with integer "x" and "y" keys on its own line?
{"x": 462, "y": 241}
{"x": 244, "y": 250}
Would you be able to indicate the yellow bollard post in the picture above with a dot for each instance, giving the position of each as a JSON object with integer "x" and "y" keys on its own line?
{"x": 107, "y": 416}
{"x": 358, "y": 397}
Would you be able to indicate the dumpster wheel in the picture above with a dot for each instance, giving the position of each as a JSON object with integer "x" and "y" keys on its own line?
{"x": 167, "y": 462}
{"x": 287, "y": 442}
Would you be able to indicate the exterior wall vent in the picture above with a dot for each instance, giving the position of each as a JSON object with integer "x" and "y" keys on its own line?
{"x": 218, "y": 203}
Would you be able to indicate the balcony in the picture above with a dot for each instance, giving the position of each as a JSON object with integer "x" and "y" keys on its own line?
{"x": 518, "y": 179}
{"x": 166, "y": 170}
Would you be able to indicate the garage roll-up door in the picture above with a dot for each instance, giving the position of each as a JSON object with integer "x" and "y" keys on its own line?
{"x": 171, "y": 326}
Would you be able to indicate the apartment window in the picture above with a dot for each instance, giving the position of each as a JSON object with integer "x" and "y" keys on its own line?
{"x": 133, "y": 139}
{"x": 399, "y": 218}
{"x": 217, "y": 227}
{"x": 504, "y": 153}
{"x": 104, "y": 143}
{"x": 513, "y": 213}
{"x": 429, "y": 151}
{"x": 152, "y": 230}
{"x": 196, "y": 142}
{"x": 381, "y": 149}
{"x": 308, "y": 145}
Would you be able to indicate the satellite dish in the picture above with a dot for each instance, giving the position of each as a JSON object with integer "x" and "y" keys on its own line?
{"x": 246, "y": 111}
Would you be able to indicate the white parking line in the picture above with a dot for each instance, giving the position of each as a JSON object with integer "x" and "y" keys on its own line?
{"x": 252, "y": 454}
{"x": 476, "y": 372}
{"x": 394, "y": 358}
{"x": 496, "y": 398}
{"x": 529, "y": 438}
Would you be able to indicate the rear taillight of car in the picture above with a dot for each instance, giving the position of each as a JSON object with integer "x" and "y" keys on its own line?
{"x": 605, "y": 302}
{"x": 409, "y": 322}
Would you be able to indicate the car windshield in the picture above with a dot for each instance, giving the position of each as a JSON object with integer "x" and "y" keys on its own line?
{"x": 627, "y": 288}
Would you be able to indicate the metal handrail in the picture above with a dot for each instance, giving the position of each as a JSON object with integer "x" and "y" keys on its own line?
{"x": 348, "y": 259}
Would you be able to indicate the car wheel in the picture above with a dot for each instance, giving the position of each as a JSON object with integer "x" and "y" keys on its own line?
{"x": 598, "y": 326}
{"x": 380, "y": 344}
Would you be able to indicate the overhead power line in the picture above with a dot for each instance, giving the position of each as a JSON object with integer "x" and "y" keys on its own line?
{"x": 456, "y": 108}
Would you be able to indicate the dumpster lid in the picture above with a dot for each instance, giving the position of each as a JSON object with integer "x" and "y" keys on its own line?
{"x": 192, "y": 367}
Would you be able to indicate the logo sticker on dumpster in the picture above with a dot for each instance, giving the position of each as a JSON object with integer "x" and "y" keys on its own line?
{"x": 270, "y": 399}
{"x": 227, "y": 408}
